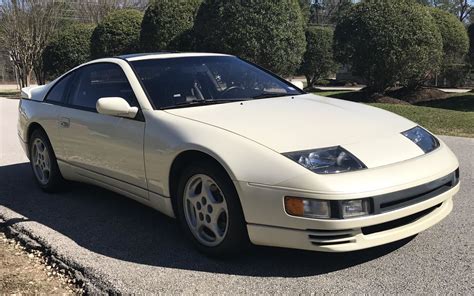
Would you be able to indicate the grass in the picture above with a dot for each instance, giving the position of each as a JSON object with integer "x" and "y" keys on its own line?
{"x": 11, "y": 94}
{"x": 453, "y": 116}
{"x": 457, "y": 102}
{"x": 439, "y": 121}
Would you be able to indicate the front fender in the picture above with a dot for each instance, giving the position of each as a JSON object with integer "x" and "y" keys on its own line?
{"x": 167, "y": 135}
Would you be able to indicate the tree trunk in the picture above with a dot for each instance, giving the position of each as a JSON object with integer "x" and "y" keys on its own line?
{"x": 308, "y": 81}
{"x": 24, "y": 76}
{"x": 40, "y": 77}
{"x": 314, "y": 79}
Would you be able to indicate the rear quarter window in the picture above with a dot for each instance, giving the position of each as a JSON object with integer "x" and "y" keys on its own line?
{"x": 59, "y": 91}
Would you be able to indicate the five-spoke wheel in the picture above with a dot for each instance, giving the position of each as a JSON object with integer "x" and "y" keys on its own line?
{"x": 206, "y": 210}
{"x": 209, "y": 210}
{"x": 43, "y": 162}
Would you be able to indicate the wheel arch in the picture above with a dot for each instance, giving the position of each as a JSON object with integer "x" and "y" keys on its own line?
{"x": 184, "y": 159}
{"x": 29, "y": 131}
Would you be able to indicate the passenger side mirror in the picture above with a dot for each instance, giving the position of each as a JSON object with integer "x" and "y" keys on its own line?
{"x": 116, "y": 106}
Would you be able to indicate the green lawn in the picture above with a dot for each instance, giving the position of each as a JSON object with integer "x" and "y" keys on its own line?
{"x": 439, "y": 121}
{"x": 453, "y": 116}
{"x": 11, "y": 94}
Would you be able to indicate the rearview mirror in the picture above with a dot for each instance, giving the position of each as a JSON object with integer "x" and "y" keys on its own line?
{"x": 116, "y": 106}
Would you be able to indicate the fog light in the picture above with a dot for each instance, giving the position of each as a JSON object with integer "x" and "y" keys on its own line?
{"x": 355, "y": 208}
{"x": 309, "y": 208}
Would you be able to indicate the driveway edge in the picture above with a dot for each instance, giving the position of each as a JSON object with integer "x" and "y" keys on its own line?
{"x": 91, "y": 285}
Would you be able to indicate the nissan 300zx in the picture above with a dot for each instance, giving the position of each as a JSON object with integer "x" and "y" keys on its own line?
{"x": 237, "y": 154}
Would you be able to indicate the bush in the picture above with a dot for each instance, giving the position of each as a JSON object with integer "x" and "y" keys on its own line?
{"x": 305, "y": 6}
{"x": 388, "y": 41}
{"x": 470, "y": 32}
{"x": 269, "y": 33}
{"x": 167, "y": 24}
{"x": 455, "y": 47}
{"x": 318, "y": 59}
{"x": 454, "y": 75}
{"x": 118, "y": 33}
{"x": 454, "y": 34}
{"x": 70, "y": 48}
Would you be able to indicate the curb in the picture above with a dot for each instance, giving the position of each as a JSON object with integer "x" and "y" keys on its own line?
{"x": 73, "y": 270}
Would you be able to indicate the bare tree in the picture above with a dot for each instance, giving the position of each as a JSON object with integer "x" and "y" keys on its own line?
{"x": 461, "y": 8}
{"x": 26, "y": 27}
{"x": 464, "y": 9}
{"x": 326, "y": 12}
{"x": 94, "y": 11}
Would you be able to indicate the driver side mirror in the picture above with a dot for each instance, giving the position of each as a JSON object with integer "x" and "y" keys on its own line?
{"x": 116, "y": 106}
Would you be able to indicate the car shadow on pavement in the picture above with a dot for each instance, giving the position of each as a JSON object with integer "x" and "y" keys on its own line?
{"x": 114, "y": 226}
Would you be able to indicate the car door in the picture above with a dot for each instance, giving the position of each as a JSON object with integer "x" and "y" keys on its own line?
{"x": 102, "y": 147}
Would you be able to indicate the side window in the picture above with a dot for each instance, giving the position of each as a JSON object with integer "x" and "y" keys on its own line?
{"x": 59, "y": 91}
{"x": 99, "y": 81}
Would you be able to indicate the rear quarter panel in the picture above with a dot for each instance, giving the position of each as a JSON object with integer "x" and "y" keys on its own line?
{"x": 44, "y": 114}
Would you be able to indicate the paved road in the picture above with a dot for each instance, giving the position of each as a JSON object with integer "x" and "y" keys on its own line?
{"x": 121, "y": 246}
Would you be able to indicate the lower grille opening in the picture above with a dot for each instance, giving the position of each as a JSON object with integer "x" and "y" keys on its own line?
{"x": 444, "y": 187}
{"x": 330, "y": 237}
{"x": 332, "y": 243}
{"x": 399, "y": 222}
{"x": 311, "y": 236}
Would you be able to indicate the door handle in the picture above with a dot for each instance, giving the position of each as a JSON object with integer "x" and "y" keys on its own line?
{"x": 64, "y": 122}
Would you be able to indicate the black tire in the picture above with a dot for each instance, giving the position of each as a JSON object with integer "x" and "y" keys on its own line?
{"x": 55, "y": 182}
{"x": 236, "y": 238}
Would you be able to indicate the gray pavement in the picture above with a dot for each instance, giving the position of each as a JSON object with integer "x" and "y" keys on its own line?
{"x": 119, "y": 245}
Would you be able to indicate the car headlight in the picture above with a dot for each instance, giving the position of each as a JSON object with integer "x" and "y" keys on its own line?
{"x": 426, "y": 141}
{"x": 330, "y": 160}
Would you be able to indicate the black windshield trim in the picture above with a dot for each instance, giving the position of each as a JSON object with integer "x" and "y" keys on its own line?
{"x": 139, "y": 81}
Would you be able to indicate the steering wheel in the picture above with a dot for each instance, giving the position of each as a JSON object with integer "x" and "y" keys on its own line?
{"x": 231, "y": 88}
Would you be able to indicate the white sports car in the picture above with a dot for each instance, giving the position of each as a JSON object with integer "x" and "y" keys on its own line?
{"x": 238, "y": 154}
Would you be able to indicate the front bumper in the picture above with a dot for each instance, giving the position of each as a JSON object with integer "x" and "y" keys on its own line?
{"x": 414, "y": 213}
{"x": 356, "y": 238}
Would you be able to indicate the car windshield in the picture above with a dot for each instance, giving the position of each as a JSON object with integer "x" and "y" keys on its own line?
{"x": 191, "y": 81}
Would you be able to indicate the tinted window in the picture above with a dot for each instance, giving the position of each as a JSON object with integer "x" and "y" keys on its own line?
{"x": 99, "y": 81}
{"x": 188, "y": 80}
{"x": 59, "y": 90}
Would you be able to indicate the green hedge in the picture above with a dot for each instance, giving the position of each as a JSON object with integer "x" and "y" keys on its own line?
{"x": 389, "y": 41}
{"x": 454, "y": 34}
{"x": 318, "y": 60}
{"x": 269, "y": 33}
{"x": 118, "y": 34}
{"x": 167, "y": 25}
{"x": 470, "y": 32}
{"x": 70, "y": 48}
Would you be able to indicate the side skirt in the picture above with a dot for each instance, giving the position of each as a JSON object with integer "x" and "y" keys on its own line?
{"x": 154, "y": 200}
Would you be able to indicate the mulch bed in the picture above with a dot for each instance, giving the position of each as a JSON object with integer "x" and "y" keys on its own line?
{"x": 400, "y": 96}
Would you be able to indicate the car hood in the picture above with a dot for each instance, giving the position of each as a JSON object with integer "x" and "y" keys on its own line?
{"x": 304, "y": 122}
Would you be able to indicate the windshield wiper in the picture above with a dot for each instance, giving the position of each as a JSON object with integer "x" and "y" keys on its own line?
{"x": 267, "y": 95}
{"x": 201, "y": 103}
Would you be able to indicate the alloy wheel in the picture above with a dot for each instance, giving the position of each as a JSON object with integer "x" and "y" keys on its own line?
{"x": 205, "y": 210}
{"x": 41, "y": 161}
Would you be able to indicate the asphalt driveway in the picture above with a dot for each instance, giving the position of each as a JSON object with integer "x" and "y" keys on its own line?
{"x": 119, "y": 245}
